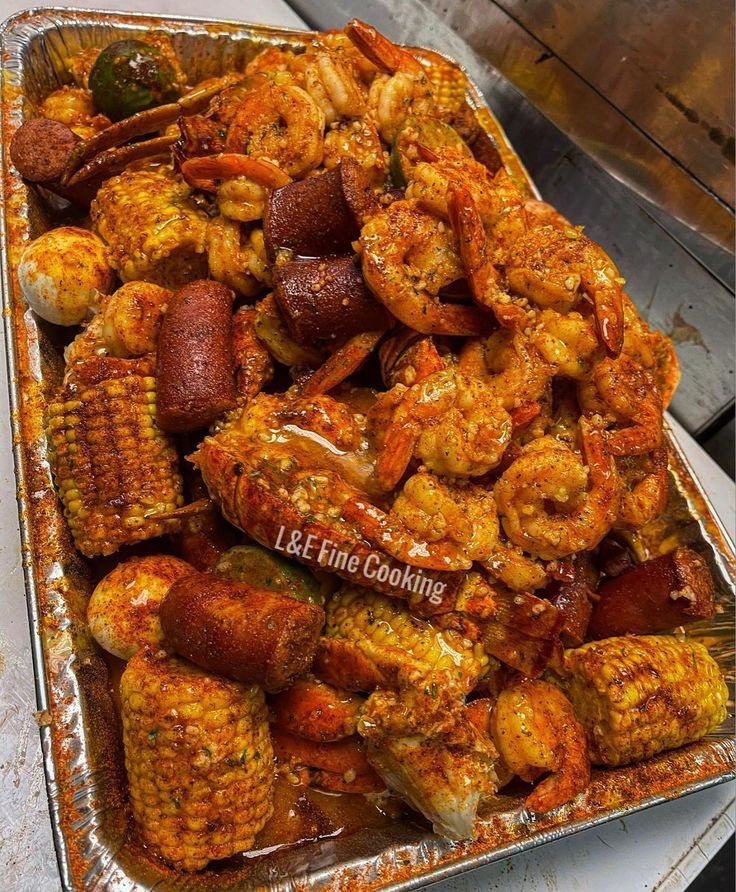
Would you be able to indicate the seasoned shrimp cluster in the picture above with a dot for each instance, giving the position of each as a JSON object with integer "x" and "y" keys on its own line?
{"x": 414, "y": 414}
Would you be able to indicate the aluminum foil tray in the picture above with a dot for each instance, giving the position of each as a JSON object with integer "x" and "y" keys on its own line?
{"x": 79, "y": 726}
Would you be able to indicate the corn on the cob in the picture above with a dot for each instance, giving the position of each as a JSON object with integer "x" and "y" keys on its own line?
{"x": 374, "y": 622}
{"x": 449, "y": 85}
{"x": 639, "y": 695}
{"x": 152, "y": 229}
{"x": 199, "y": 760}
{"x": 114, "y": 468}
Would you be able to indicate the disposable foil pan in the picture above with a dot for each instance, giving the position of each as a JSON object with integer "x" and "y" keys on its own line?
{"x": 79, "y": 726}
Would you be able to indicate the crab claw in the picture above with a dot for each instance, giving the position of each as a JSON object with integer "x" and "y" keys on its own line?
{"x": 147, "y": 121}
{"x": 117, "y": 158}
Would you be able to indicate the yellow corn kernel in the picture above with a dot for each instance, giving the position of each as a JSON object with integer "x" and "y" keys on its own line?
{"x": 377, "y": 623}
{"x": 121, "y": 470}
{"x": 154, "y": 232}
{"x": 638, "y": 695}
{"x": 448, "y": 84}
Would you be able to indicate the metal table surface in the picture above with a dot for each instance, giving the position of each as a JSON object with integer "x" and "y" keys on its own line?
{"x": 663, "y": 848}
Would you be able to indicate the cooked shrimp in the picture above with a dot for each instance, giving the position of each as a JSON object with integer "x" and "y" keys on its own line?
{"x": 74, "y": 107}
{"x": 476, "y": 252}
{"x": 544, "y": 260}
{"x": 551, "y": 266}
{"x": 338, "y": 41}
{"x": 450, "y": 422}
{"x": 253, "y": 365}
{"x": 464, "y": 514}
{"x": 331, "y": 84}
{"x": 408, "y": 257}
{"x": 405, "y": 90}
{"x": 431, "y": 182}
{"x": 551, "y": 504}
{"x": 131, "y": 318}
{"x": 342, "y": 363}
{"x": 535, "y": 731}
{"x": 652, "y": 350}
{"x": 625, "y": 394}
{"x": 245, "y": 182}
{"x": 281, "y": 123}
{"x": 509, "y": 565}
{"x": 407, "y": 357}
{"x": 237, "y": 258}
{"x": 511, "y": 368}
{"x": 389, "y": 533}
{"x": 645, "y": 487}
{"x": 566, "y": 341}
{"x": 358, "y": 140}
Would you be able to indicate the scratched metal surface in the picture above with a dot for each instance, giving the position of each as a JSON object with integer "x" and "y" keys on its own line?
{"x": 594, "y": 67}
{"x": 84, "y": 781}
{"x": 601, "y": 171}
{"x": 666, "y": 65}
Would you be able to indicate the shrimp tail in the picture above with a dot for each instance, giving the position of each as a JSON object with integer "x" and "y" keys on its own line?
{"x": 609, "y": 313}
{"x": 483, "y": 277}
{"x": 378, "y": 49}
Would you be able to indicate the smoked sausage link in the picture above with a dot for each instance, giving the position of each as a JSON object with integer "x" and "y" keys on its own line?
{"x": 658, "y": 594}
{"x": 239, "y": 631}
{"x": 195, "y": 371}
{"x": 41, "y": 148}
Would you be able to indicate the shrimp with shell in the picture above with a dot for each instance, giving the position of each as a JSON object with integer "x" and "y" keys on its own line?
{"x": 450, "y": 422}
{"x": 332, "y": 85}
{"x": 625, "y": 395}
{"x": 458, "y": 518}
{"x": 554, "y": 502}
{"x": 282, "y": 124}
{"x": 535, "y": 730}
{"x": 242, "y": 183}
{"x": 402, "y": 86}
{"x": 408, "y": 257}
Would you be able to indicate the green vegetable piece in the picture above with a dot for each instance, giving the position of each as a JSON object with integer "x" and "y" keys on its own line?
{"x": 130, "y": 76}
{"x": 263, "y": 569}
{"x": 420, "y": 130}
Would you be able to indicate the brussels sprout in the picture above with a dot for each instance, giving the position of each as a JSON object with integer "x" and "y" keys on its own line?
{"x": 263, "y": 569}
{"x": 130, "y": 76}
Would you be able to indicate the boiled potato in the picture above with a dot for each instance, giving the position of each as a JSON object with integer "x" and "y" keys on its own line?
{"x": 63, "y": 272}
{"x": 123, "y": 610}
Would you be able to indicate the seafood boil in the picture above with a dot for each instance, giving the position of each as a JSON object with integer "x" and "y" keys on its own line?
{"x": 352, "y": 426}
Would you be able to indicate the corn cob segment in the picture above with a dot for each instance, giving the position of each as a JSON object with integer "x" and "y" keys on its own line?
{"x": 639, "y": 695}
{"x": 199, "y": 760}
{"x": 154, "y": 232}
{"x": 114, "y": 468}
{"x": 385, "y": 632}
{"x": 449, "y": 84}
